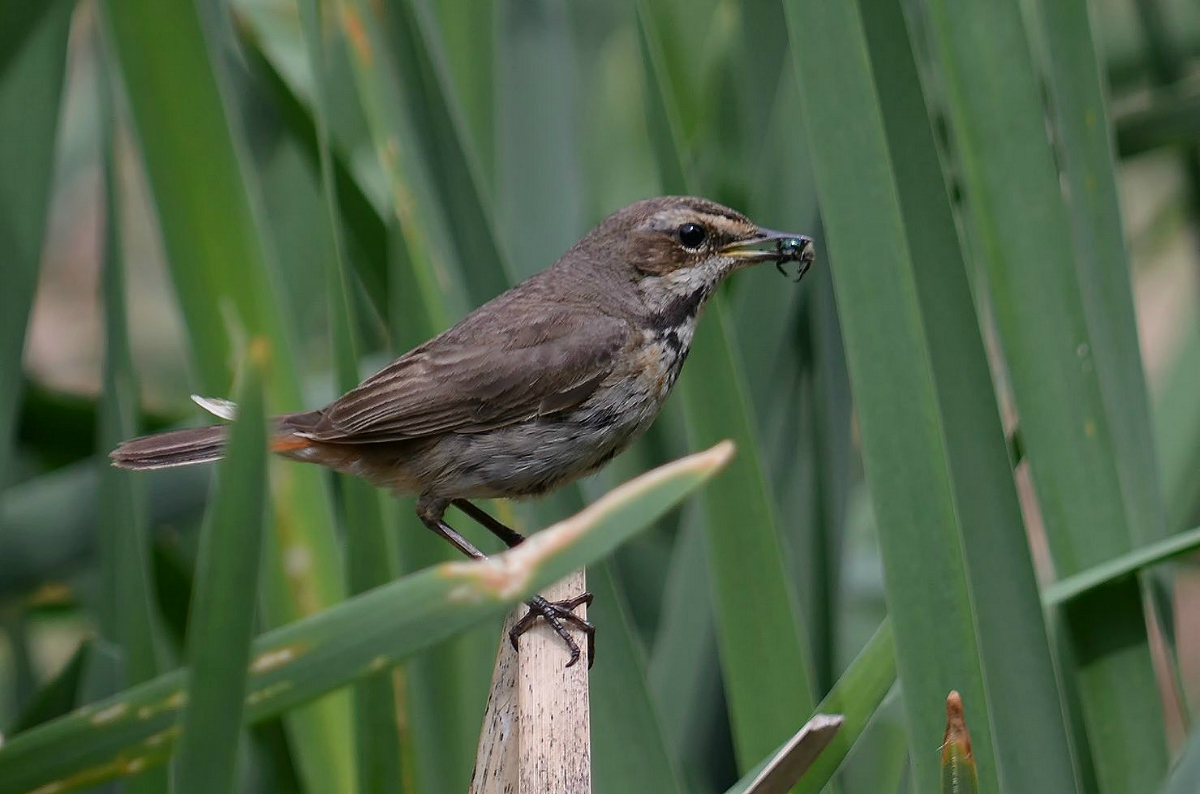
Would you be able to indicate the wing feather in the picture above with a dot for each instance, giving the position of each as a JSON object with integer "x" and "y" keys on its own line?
{"x": 471, "y": 382}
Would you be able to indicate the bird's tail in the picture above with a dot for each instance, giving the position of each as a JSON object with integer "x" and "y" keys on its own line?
{"x": 195, "y": 444}
{"x": 174, "y": 448}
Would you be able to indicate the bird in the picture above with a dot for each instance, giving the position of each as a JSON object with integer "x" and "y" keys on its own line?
{"x": 540, "y": 386}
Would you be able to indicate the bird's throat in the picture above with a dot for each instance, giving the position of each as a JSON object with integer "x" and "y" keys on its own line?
{"x": 680, "y": 308}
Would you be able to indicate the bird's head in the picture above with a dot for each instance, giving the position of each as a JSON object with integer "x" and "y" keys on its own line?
{"x": 679, "y": 248}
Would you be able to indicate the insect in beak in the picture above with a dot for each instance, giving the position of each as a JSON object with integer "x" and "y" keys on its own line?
{"x": 777, "y": 247}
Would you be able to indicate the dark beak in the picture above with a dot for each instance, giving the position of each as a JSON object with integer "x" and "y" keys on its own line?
{"x": 777, "y": 247}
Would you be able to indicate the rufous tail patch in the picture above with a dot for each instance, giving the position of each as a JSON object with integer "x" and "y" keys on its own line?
{"x": 289, "y": 443}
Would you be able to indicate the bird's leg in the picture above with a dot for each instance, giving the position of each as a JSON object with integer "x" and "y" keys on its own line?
{"x": 508, "y": 535}
{"x": 555, "y": 613}
{"x": 550, "y": 610}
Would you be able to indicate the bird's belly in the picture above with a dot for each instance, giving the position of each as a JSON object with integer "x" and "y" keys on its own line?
{"x": 541, "y": 454}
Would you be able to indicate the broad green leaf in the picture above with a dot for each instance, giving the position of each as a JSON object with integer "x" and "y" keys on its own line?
{"x": 32, "y": 63}
{"x": 887, "y": 349}
{"x": 1046, "y": 323}
{"x": 1016, "y": 661}
{"x": 227, "y": 283}
{"x": 1032, "y": 275}
{"x": 945, "y": 509}
{"x": 370, "y": 632}
{"x": 221, "y": 624}
{"x": 1085, "y": 143}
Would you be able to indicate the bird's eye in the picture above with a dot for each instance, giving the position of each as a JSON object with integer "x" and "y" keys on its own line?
{"x": 692, "y": 235}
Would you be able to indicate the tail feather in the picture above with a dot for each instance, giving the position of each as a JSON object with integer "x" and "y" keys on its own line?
{"x": 222, "y": 409}
{"x": 206, "y": 444}
{"x": 174, "y": 448}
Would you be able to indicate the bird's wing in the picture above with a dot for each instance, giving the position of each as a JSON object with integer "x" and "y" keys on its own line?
{"x": 472, "y": 382}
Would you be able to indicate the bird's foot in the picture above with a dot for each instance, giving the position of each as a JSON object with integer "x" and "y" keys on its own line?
{"x": 558, "y": 614}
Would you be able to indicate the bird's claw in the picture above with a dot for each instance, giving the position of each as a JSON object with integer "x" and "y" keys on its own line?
{"x": 556, "y": 614}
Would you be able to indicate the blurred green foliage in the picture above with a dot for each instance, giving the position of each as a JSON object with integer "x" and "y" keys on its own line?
{"x": 991, "y": 186}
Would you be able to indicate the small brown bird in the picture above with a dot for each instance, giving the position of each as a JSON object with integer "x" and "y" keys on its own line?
{"x": 534, "y": 389}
